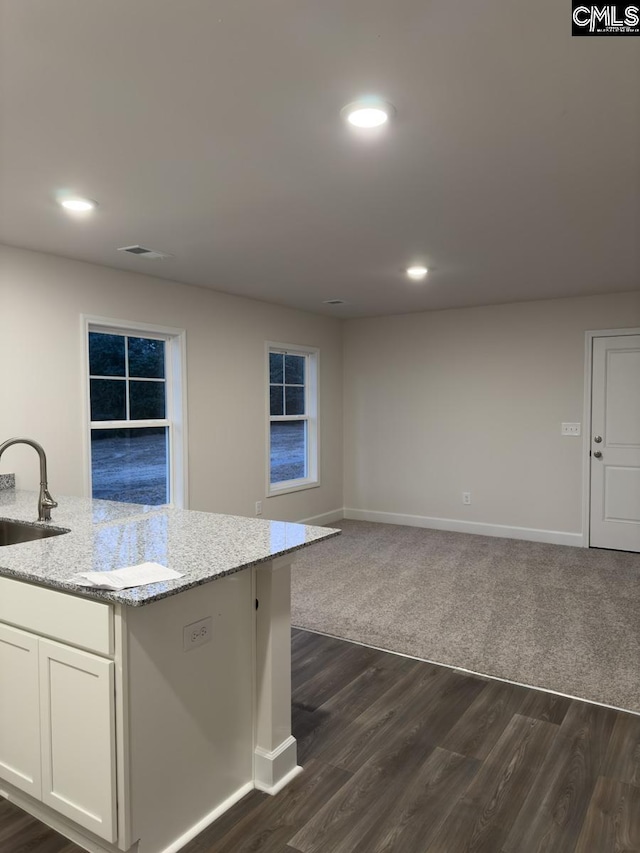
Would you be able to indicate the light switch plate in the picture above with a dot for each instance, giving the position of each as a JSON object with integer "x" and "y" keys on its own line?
{"x": 570, "y": 429}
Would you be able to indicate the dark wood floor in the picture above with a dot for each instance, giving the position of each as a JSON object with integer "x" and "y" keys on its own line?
{"x": 407, "y": 757}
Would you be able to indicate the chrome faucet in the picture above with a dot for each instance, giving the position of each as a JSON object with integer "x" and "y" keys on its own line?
{"x": 45, "y": 501}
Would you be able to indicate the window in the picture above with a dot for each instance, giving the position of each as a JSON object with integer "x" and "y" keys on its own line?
{"x": 293, "y": 418}
{"x": 135, "y": 414}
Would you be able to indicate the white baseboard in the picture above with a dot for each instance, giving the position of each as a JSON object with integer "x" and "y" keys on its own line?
{"x": 278, "y": 786}
{"x": 273, "y": 770}
{"x": 503, "y": 531}
{"x": 92, "y": 844}
{"x": 208, "y": 819}
{"x": 325, "y": 517}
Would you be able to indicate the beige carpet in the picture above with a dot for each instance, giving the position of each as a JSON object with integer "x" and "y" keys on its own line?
{"x": 562, "y": 618}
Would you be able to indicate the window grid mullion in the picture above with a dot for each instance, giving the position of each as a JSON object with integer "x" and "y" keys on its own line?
{"x": 141, "y": 424}
{"x": 126, "y": 373}
{"x": 124, "y": 378}
{"x": 307, "y": 442}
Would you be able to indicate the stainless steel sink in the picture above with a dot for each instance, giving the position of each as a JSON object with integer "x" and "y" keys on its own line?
{"x": 14, "y": 532}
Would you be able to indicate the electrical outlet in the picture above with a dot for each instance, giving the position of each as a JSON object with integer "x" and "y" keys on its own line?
{"x": 570, "y": 429}
{"x": 466, "y": 497}
{"x": 196, "y": 634}
{"x": 258, "y": 507}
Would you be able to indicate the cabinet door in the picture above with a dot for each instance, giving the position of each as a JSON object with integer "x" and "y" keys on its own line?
{"x": 19, "y": 710}
{"x": 78, "y": 736}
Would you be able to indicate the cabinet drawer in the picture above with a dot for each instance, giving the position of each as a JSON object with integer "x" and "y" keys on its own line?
{"x": 47, "y": 612}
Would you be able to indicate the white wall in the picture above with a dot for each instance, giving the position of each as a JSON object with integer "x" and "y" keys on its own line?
{"x": 434, "y": 403}
{"x": 42, "y": 385}
{"x": 472, "y": 400}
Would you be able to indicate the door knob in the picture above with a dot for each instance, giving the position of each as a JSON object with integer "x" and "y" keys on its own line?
{"x": 597, "y": 454}
{"x": 597, "y": 439}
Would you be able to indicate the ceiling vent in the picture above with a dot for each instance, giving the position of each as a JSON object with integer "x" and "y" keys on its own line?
{"x": 152, "y": 254}
{"x": 334, "y": 302}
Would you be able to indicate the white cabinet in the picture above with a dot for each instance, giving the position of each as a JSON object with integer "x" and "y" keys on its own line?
{"x": 123, "y": 739}
{"x": 19, "y": 710}
{"x": 78, "y": 736}
{"x": 57, "y": 707}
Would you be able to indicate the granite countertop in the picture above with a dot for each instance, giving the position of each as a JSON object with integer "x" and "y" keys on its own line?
{"x": 105, "y": 535}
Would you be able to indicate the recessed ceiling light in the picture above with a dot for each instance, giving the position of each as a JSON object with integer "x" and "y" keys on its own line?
{"x": 369, "y": 112}
{"x": 417, "y": 273}
{"x": 78, "y": 205}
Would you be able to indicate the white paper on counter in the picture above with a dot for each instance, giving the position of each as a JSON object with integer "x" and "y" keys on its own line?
{"x": 140, "y": 575}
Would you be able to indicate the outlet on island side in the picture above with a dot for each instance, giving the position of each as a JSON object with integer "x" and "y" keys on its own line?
{"x": 258, "y": 507}
{"x": 466, "y": 497}
{"x": 197, "y": 634}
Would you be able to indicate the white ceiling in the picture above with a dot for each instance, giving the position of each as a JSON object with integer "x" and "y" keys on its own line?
{"x": 210, "y": 129}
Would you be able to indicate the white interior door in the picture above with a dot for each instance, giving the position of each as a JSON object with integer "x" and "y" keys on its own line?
{"x": 615, "y": 443}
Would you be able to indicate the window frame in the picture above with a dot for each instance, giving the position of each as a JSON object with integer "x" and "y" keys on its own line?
{"x": 175, "y": 398}
{"x": 311, "y": 416}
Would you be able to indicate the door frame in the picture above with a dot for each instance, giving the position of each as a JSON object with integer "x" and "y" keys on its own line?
{"x": 586, "y": 422}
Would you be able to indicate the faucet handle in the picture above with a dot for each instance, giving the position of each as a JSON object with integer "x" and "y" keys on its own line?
{"x": 47, "y": 500}
{"x": 45, "y": 504}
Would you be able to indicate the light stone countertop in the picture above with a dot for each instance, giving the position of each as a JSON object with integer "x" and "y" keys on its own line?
{"x": 106, "y": 535}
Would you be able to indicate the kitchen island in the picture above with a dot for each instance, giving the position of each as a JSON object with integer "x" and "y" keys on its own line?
{"x": 130, "y": 720}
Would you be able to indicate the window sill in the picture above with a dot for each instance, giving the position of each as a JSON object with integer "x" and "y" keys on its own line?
{"x": 291, "y": 486}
